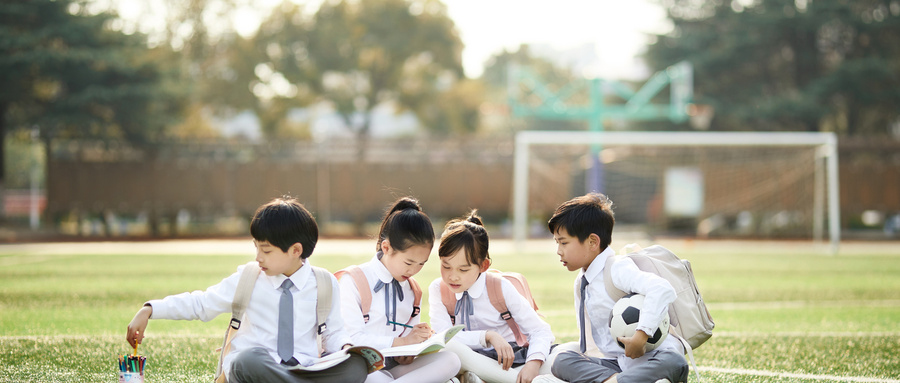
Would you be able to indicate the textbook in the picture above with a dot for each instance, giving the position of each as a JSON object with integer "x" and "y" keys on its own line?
{"x": 374, "y": 359}
{"x": 433, "y": 344}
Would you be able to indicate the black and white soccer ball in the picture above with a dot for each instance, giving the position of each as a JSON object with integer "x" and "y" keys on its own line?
{"x": 624, "y": 318}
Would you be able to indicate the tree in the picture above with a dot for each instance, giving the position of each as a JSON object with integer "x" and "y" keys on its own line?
{"x": 68, "y": 74}
{"x": 790, "y": 65}
{"x": 369, "y": 52}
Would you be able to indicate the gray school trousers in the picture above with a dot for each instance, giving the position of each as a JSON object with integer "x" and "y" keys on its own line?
{"x": 256, "y": 366}
{"x": 575, "y": 367}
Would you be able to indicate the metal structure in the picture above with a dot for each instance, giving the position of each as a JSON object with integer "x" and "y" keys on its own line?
{"x": 560, "y": 105}
{"x": 826, "y": 171}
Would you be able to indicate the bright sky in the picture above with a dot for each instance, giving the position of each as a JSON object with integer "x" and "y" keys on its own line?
{"x": 617, "y": 28}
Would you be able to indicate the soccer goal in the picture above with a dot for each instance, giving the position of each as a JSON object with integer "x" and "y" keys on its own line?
{"x": 704, "y": 184}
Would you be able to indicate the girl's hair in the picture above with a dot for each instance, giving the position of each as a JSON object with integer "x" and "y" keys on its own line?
{"x": 283, "y": 222}
{"x": 465, "y": 233}
{"x": 405, "y": 225}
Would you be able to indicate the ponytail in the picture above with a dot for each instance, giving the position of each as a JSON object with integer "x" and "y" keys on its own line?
{"x": 405, "y": 225}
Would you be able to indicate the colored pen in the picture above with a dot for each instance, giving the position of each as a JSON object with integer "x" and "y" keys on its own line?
{"x": 400, "y": 324}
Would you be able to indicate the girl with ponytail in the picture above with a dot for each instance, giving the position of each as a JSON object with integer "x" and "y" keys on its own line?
{"x": 380, "y": 298}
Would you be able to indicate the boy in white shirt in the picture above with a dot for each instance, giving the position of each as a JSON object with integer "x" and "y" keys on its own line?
{"x": 582, "y": 228}
{"x": 270, "y": 339}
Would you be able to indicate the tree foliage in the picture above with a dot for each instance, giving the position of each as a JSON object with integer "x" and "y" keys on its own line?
{"x": 354, "y": 55}
{"x": 789, "y": 64}
{"x": 67, "y": 73}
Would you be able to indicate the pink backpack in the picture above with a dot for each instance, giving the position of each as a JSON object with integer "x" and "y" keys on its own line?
{"x": 365, "y": 293}
{"x": 493, "y": 279}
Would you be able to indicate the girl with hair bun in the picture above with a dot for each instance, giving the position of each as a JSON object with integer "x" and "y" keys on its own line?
{"x": 489, "y": 348}
{"x": 380, "y": 299}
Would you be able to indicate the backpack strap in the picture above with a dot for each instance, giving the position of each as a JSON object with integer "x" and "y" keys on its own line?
{"x": 239, "y": 304}
{"x": 495, "y": 295}
{"x": 362, "y": 285}
{"x": 323, "y": 297}
{"x": 611, "y": 289}
{"x": 417, "y": 298}
{"x": 449, "y": 300}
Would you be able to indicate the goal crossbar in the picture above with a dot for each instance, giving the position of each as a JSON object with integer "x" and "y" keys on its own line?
{"x": 825, "y": 141}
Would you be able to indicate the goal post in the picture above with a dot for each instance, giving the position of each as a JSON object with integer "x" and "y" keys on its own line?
{"x": 774, "y": 165}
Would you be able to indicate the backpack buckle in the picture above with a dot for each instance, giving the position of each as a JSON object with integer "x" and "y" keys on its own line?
{"x": 366, "y": 318}
{"x": 235, "y": 323}
{"x": 322, "y": 328}
{"x": 453, "y": 320}
{"x": 415, "y": 311}
{"x": 505, "y": 315}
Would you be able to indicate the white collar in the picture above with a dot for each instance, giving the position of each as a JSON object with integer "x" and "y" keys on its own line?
{"x": 477, "y": 288}
{"x": 381, "y": 271}
{"x": 298, "y": 278}
{"x": 596, "y": 267}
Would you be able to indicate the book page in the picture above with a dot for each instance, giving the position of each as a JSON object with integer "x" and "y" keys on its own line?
{"x": 374, "y": 359}
{"x": 435, "y": 343}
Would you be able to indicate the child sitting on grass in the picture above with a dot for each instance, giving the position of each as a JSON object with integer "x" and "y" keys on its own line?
{"x": 277, "y": 331}
{"x": 582, "y": 228}
{"x": 487, "y": 346}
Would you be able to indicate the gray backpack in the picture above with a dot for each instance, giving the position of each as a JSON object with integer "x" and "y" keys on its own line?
{"x": 689, "y": 319}
{"x": 242, "y": 295}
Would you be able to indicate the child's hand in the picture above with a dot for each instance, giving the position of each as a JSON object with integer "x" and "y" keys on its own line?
{"x": 634, "y": 345}
{"x": 407, "y": 359}
{"x": 418, "y": 334}
{"x": 529, "y": 371}
{"x": 505, "y": 354}
{"x": 135, "y": 332}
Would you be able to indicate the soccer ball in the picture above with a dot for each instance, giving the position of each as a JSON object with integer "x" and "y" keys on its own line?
{"x": 624, "y": 318}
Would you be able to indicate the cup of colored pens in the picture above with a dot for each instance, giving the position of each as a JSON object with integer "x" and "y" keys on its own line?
{"x": 131, "y": 368}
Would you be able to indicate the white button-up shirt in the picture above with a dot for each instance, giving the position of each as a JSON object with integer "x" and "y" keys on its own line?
{"x": 377, "y": 333}
{"x": 487, "y": 318}
{"x": 260, "y": 325}
{"x": 658, "y": 294}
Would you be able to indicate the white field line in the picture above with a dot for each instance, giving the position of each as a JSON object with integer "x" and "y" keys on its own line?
{"x": 733, "y": 306}
{"x": 741, "y": 371}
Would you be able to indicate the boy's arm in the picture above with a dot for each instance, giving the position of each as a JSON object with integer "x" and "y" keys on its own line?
{"x": 202, "y": 305}
{"x": 658, "y": 292}
{"x": 135, "y": 332}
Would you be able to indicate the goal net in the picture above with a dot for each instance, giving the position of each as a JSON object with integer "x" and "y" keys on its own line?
{"x": 706, "y": 184}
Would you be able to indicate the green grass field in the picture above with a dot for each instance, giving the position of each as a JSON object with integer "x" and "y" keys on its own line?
{"x": 783, "y": 312}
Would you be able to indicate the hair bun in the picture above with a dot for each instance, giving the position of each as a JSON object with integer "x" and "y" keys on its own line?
{"x": 406, "y": 203}
{"x": 474, "y": 218}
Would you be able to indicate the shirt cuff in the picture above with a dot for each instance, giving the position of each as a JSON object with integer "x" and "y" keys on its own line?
{"x": 536, "y": 356}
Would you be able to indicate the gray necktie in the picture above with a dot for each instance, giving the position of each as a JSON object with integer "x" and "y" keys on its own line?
{"x": 584, "y": 283}
{"x": 286, "y": 322}
{"x": 464, "y": 310}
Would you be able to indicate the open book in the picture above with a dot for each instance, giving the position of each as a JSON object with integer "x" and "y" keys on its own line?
{"x": 374, "y": 359}
{"x": 433, "y": 344}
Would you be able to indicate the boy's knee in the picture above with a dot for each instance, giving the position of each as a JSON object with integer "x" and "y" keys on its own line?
{"x": 356, "y": 369}
{"x": 247, "y": 363}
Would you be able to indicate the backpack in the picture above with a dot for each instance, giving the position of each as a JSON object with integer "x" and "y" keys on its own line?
{"x": 689, "y": 320}
{"x": 365, "y": 292}
{"x": 241, "y": 300}
{"x": 492, "y": 281}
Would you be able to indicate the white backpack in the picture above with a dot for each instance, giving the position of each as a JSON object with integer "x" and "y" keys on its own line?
{"x": 689, "y": 319}
{"x": 242, "y": 295}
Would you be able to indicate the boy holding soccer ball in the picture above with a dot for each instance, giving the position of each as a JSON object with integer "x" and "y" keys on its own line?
{"x": 582, "y": 228}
